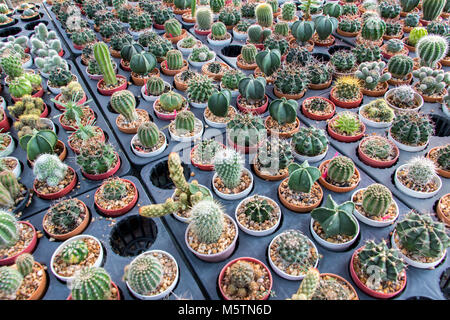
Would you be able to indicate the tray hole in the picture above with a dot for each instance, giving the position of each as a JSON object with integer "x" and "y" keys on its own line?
{"x": 11, "y": 31}
{"x": 32, "y": 25}
{"x": 231, "y": 51}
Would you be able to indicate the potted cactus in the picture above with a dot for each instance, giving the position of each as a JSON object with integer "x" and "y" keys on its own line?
{"x": 84, "y": 132}
{"x": 339, "y": 174}
{"x": 174, "y": 31}
{"x": 231, "y": 181}
{"x": 400, "y": 67}
{"x": 211, "y": 234}
{"x": 139, "y": 23}
{"x": 394, "y": 30}
{"x": 245, "y": 279}
{"x": 27, "y": 84}
{"x": 440, "y": 157}
{"x": 98, "y": 160}
{"x": 110, "y": 82}
{"x": 15, "y": 194}
{"x": 376, "y": 114}
{"x": 202, "y": 155}
{"x": 12, "y": 164}
{"x": 292, "y": 254}
{"x": 99, "y": 283}
{"x": 431, "y": 83}
{"x": 154, "y": 87}
{"x": 73, "y": 90}
{"x": 66, "y": 218}
{"x": 143, "y": 65}
{"x": 300, "y": 192}
{"x": 417, "y": 178}
{"x": 348, "y": 27}
{"x": 252, "y": 97}
{"x": 407, "y": 238}
{"x": 291, "y": 82}
{"x": 42, "y": 141}
{"x": 75, "y": 254}
{"x": 373, "y": 78}
{"x": 219, "y": 35}
{"x": 201, "y": 56}
{"x": 180, "y": 80}
{"x": 160, "y": 16}
{"x": 394, "y": 47}
{"x": 187, "y": 44}
{"x": 168, "y": 105}
{"x": 256, "y": 35}
{"x": 199, "y": 90}
{"x": 28, "y": 105}
{"x": 411, "y": 21}
{"x": 240, "y": 30}
{"x": 246, "y": 60}
{"x": 230, "y": 16}
{"x": 430, "y": 50}
{"x": 318, "y": 108}
{"x": 346, "y": 92}
{"x": 431, "y": 10}
{"x": 75, "y": 114}
{"x": 320, "y": 75}
{"x": 185, "y": 127}
{"x": 443, "y": 209}
{"x": 174, "y": 63}
{"x": 245, "y": 132}
{"x": 272, "y": 159}
{"x": 108, "y": 29}
{"x": 414, "y": 36}
{"x": 325, "y": 26}
{"x": 344, "y": 63}
{"x": 268, "y": 62}
{"x": 375, "y": 206}
{"x": 116, "y": 196}
{"x": 372, "y": 31}
{"x": 377, "y": 151}
{"x": 215, "y": 69}
{"x": 53, "y": 178}
{"x": 6, "y": 21}
{"x": 7, "y": 144}
{"x": 283, "y": 121}
{"x": 58, "y": 78}
{"x": 117, "y": 42}
{"x": 219, "y": 111}
{"x": 404, "y": 98}
{"x": 288, "y": 13}
{"x": 258, "y": 215}
{"x": 152, "y": 275}
{"x": 149, "y": 140}
{"x": 346, "y": 127}
{"x": 405, "y": 123}
{"x": 20, "y": 237}
{"x": 129, "y": 118}
{"x": 309, "y": 144}
{"x": 230, "y": 80}
{"x": 204, "y": 20}
{"x": 391, "y": 279}
{"x": 334, "y": 226}
{"x": 29, "y": 15}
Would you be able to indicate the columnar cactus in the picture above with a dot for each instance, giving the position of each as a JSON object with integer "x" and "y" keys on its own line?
{"x": 173, "y": 27}
{"x": 148, "y": 134}
{"x": 207, "y": 221}
{"x": 25, "y": 264}
{"x": 308, "y": 285}
{"x": 75, "y": 252}
{"x": 144, "y": 274}
{"x": 204, "y": 19}
{"x": 432, "y": 9}
{"x": 376, "y": 200}
{"x": 241, "y": 276}
{"x": 431, "y": 49}
{"x": 302, "y": 177}
{"x": 9, "y": 233}
{"x": 174, "y": 59}
{"x": 10, "y": 282}
{"x": 248, "y": 53}
{"x": 431, "y": 82}
{"x": 293, "y": 247}
{"x": 336, "y": 219}
{"x": 124, "y": 102}
{"x": 264, "y": 15}
{"x": 400, "y": 66}
{"x": 103, "y": 58}
{"x": 91, "y": 283}
{"x": 422, "y": 236}
{"x": 310, "y": 141}
{"x": 228, "y": 166}
{"x": 412, "y": 129}
{"x": 268, "y": 61}
{"x": 371, "y": 73}
{"x": 283, "y": 111}
{"x": 219, "y": 102}
{"x": 49, "y": 168}
{"x": 373, "y": 29}
{"x": 341, "y": 169}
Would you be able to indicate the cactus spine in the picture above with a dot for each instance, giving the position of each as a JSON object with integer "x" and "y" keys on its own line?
{"x": 9, "y": 234}
{"x": 148, "y": 134}
{"x": 376, "y": 200}
{"x": 341, "y": 169}
{"x": 228, "y": 165}
{"x": 207, "y": 221}
{"x": 91, "y": 283}
{"x": 264, "y": 15}
{"x": 25, "y": 264}
{"x": 432, "y": 9}
{"x": 144, "y": 274}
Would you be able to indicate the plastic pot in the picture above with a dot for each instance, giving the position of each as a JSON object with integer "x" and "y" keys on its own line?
{"x": 259, "y": 110}
{"x": 332, "y": 187}
{"x": 333, "y": 246}
{"x": 109, "y": 92}
{"x": 79, "y": 102}
{"x": 59, "y": 194}
{"x": 440, "y": 210}
{"x": 105, "y": 175}
{"x": 120, "y": 211}
{"x": 343, "y": 138}
{"x": 296, "y": 208}
{"x": 377, "y": 163}
{"x": 414, "y": 193}
{"x": 28, "y": 249}
{"x": 406, "y": 147}
{"x": 148, "y": 154}
{"x": 234, "y": 196}
{"x": 345, "y": 104}
{"x": 371, "y": 123}
{"x": 302, "y": 158}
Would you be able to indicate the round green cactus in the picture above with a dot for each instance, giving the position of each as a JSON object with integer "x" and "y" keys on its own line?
{"x": 373, "y": 29}
{"x": 432, "y": 9}
{"x": 9, "y": 233}
{"x": 302, "y": 177}
{"x": 293, "y": 247}
{"x": 10, "y": 282}
{"x": 207, "y": 221}
{"x": 341, "y": 169}
{"x": 431, "y": 49}
{"x": 281, "y": 28}
{"x": 25, "y": 264}
{"x": 174, "y": 60}
{"x": 173, "y": 27}
{"x": 241, "y": 276}
{"x": 288, "y": 11}
{"x": 416, "y": 34}
{"x": 283, "y": 111}
{"x": 248, "y": 53}
{"x": 218, "y": 31}
{"x": 219, "y": 102}
{"x": 411, "y": 128}
{"x": 142, "y": 63}
{"x": 310, "y": 141}
{"x": 124, "y": 103}
{"x": 258, "y": 209}
{"x": 400, "y": 66}
{"x": 91, "y": 283}
{"x": 204, "y": 19}
{"x": 185, "y": 121}
{"x": 154, "y": 86}
{"x": 144, "y": 274}
{"x": 74, "y": 252}
{"x": 376, "y": 200}
{"x": 171, "y": 101}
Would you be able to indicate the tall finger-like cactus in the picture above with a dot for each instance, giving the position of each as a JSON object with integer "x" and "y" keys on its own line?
{"x": 308, "y": 285}
{"x": 103, "y": 58}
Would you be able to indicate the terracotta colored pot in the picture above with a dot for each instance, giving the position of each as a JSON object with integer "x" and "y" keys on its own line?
{"x": 181, "y": 11}
{"x": 398, "y": 36}
{"x": 112, "y": 284}
{"x": 343, "y": 138}
{"x": 28, "y": 249}
{"x": 314, "y": 116}
{"x": 345, "y": 104}
{"x": 61, "y": 108}
{"x": 78, "y": 230}
{"x": 259, "y": 110}
{"x": 445, "y": 62}
{"x": 141, "y": 81}
{"x": 440, "y": 212}
{"x": 123, "y": 66}
{"x": 38, "y": 94}
{"x": 347, "y": 34}
{"x": 282, "y": 135}
{"x": 59, "y": 194}
{"x": 174, "y": 40}
{"x": 375, "y": 93}
{"x": 309, "y": 44}
{"x": 332, "y": 187}
{"x": 299, "y": 209}
{"x": 204, "y": 167}
{"x": 410, "y": 47}
{"x": 279, "y": 94}
{"x": 320, "y": 86}
{"x": 121, "y": 211}
{"x": 378, "y": 163}
{"x": 404, "y": 14}
{"x": 214, "y": 76}
{"x": 243, "y": 149}
{"x": 431, "y": 99}
{"x": 328, "y": 43}
{"x": 78, "y": 47}
{"x": 158, "y": 26}
{"x": 259, "y": 46}
{"x": 187, "y": 18}
{"x": 109, "y": 92}
{"x": 367, "y": 290}
{"x": 398, "y": 82}
{"x": 269, "y": 177}
{"x": 439, "y": 171}
{"x": 229, "y": 264}
{"x": 169, "y": 72}
{"x": 179, "y": 85}
{"x": 77, "y": 151}
{"x": 70, "y": 128}
{"x": 4, "y": 123}
{"x": 105, "y": 175}
{"x": 322, "y": 275}
{"x": 114, "y": 53}
{"x": 40, "y": 290}
{"x": 245, "y": 66}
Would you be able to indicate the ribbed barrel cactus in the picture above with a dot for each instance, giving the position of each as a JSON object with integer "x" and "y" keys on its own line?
{"x": 376, "y": 200}
{"x": 144, "y": 274}
{"x": 340, "y": 169}
{"x": 91, "y": 283}
{"x": 302, "y": 177}
{"x": 207, "y": 221}
{"x": 310, "y": 141}
{"x": 229, "y": 167}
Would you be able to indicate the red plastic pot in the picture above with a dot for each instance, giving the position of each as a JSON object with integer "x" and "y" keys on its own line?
{"x": 222, "y": 274}
{"x": 109, "y": 92}
{"x": 77, "y": 151}
{"x": 377, "y": 163}
{"x": 123, "y": 66}
{"x": 29, "y": 249}
{"x": 342, "y": 138}
{"x": 367, "y": 290}
{"x": 158, "y": 26}
{"x": 70, "y": 128}
{"x": 4, "y": 124}
{"x": 105, "y": 175}
{"x": 241, "y": 149}
{"x": 259, "y": 110}
{"x": 118, "y": 212}
{"x": 313, "y": 116}
{"x": 204, "y": 167}
{"x": 112, "y": 283}
{"x": 38, "y": 94}
{"x": 79, "y": 102}
{"x": 59, "y": 194}
{"x": 201, "y": 32}
{"x": 344, "y": 104}
{"x": 78, "y": 47}
{"x": 61, "y": 53}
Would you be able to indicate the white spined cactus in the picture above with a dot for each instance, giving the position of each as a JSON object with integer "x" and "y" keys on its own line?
{"x": 228, "y": 164}
{"x": 421, "y": 170}
{"x": 49, "y": 168}
{"x": 207, "y": 221}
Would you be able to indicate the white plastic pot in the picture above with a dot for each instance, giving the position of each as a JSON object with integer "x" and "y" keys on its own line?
{"x": 17, "y": 170}
{"x": 405, "y": 147}
{"x": 302, "y": 158}
{"x": 256, "y": 233}
{"x": 371, "y": 222}
{"x": 97, "y": 262}
{"x": 169, "y": 289}
{"x": 219, "y": 125}
{"x": 187, "y": 51}
{"x": 9, "y": 149}
{"x": 218, "y": 43}
{"x": 29, "y": 63}
{"x": 417, "y": 96}
{"x": 239, "y": 36}
{"x": 234, "y": 196}
{"x": 413, "y": 193}
{"x": 188, "y": 139}
{"x": 150, "y": 97}
{"x": 413, "y": 263}
{"x": 234, "y": 93}
{"x": 371, "y": 123}
{"x": 199, "y": 64}
{"x": 333, "y": 246}
{"x": 182, "y": 219}
{"x": 197, "y": 105}
{"x": 148, "y": 154}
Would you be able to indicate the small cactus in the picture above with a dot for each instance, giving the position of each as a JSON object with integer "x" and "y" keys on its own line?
{"x": 9, "y": 233}
{"x": 75, "y": 252}
{"x": 10, "y": 282}
{"x": 376, "y": 200}
{"x": 258, "y": 209}
{"x": 302, "y": 177}
{"x": 144, "y": 274}
{"x": 25, "y": 264}
{"x": 91, "y": 283}
{"x": 421, "y": 171}
{"x": 50, "y": 168}
{"x": 207, "y": 221}
{"x": 341, "y": 169}
{"x": 229, "y": 167}
{"x": 293, "y": 247}
{"x": 241, "y": 276}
